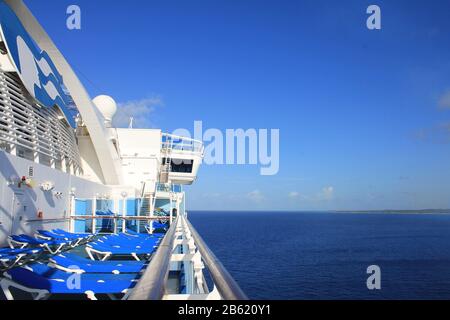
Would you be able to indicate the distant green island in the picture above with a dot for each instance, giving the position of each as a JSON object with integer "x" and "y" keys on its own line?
{"x": 421, "y": 211}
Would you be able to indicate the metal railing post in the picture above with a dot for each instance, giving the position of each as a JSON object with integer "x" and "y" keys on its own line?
{"x": 224, "y": 282}
{"x": 152, "y": 284}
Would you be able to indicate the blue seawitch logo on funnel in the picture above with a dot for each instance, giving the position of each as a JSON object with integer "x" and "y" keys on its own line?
{"x": 34, "y": 66}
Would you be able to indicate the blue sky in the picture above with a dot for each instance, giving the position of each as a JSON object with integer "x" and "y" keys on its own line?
{"x": 364, "y": 116}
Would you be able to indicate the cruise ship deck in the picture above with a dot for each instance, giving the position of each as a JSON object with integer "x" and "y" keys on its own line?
{"x": 88, "y": 210}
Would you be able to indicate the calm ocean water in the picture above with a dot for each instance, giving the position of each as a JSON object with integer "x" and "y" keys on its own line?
{"x": 283, "y": 255}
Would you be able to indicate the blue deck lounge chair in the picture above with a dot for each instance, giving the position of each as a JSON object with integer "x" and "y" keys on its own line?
{"x": 141, "y": 236}
{"x": 49, "y": 235}
{"x": 105, "y": 252}
{"x": 85, "y": 236}
{"x": 10, "y": 251}
{"x": 107, "y": 246}
{"x": 23, "y": 241}
{"x": 12, "y": 257}
{"x": 139, "y": 241}
{"x": 121, "y": 240}
{"x": 71, "y": 262}
{"x": 9, "y": 261}
{"x": 42, "y": 281}
{"x": 156, "y": 226}
{"x": 132, "y": 233}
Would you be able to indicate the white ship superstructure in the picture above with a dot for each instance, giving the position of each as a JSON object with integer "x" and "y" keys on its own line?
{"x": 64, "y": 167}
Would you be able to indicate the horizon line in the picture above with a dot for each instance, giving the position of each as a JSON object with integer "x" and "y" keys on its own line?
{"x": 333, "y": 210}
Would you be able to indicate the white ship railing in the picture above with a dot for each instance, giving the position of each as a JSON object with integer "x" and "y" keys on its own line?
{"x": 178, "y": 143}
{"x": 196, "y": 255}
{"x": 34, "y": 132}
{"x": 152, "y": 284}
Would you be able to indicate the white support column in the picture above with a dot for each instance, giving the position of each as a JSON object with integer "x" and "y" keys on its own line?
{"x": 124, "y": 214}
{"x": 94, "y": 210}
{"x": 152, "y": 205}
{"x": 64, "y": 164}
{"x": 179, "y": 199}
{"x": 72, "y": 213}
{"x": 52, "y": 163}
{"x": 184, "y": 205}
{"x": 116, "y": 213}
{"x": 198, "y": 267}
{"x": 72, "y": 170}
{"x": 138, "y": 222}
{"x": 170, "y": 210}
{"x": 196, "y": 287}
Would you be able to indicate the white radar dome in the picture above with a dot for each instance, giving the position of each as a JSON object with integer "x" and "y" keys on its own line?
{"x": 106, "y": 105}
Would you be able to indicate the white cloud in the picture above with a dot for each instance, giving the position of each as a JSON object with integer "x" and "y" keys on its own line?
{"x": 327, "y": 193}
{"x": 212, "y": 195}
{"x": 444, "y": 100}
{"x": 140, "y": 110}
{"x": 255, "y": 196}
{"x": 294, "y": 195}
{"x": 439, "y": 133}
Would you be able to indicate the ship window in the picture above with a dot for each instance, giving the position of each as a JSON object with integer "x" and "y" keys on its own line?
{"x": 5, "y": 146}
{"x": 58, "y": 164}
{"x": 45, "y": 160}
{"x": 181, "y": 165}
{"x": 25, "y": 153}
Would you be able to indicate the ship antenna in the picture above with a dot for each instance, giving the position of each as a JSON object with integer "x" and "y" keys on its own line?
{"x": 130, "y": 126}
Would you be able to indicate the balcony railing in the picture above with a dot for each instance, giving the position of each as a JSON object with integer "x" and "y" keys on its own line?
{"x": 167, "y": 187}
{"x": 172, "y": 142}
